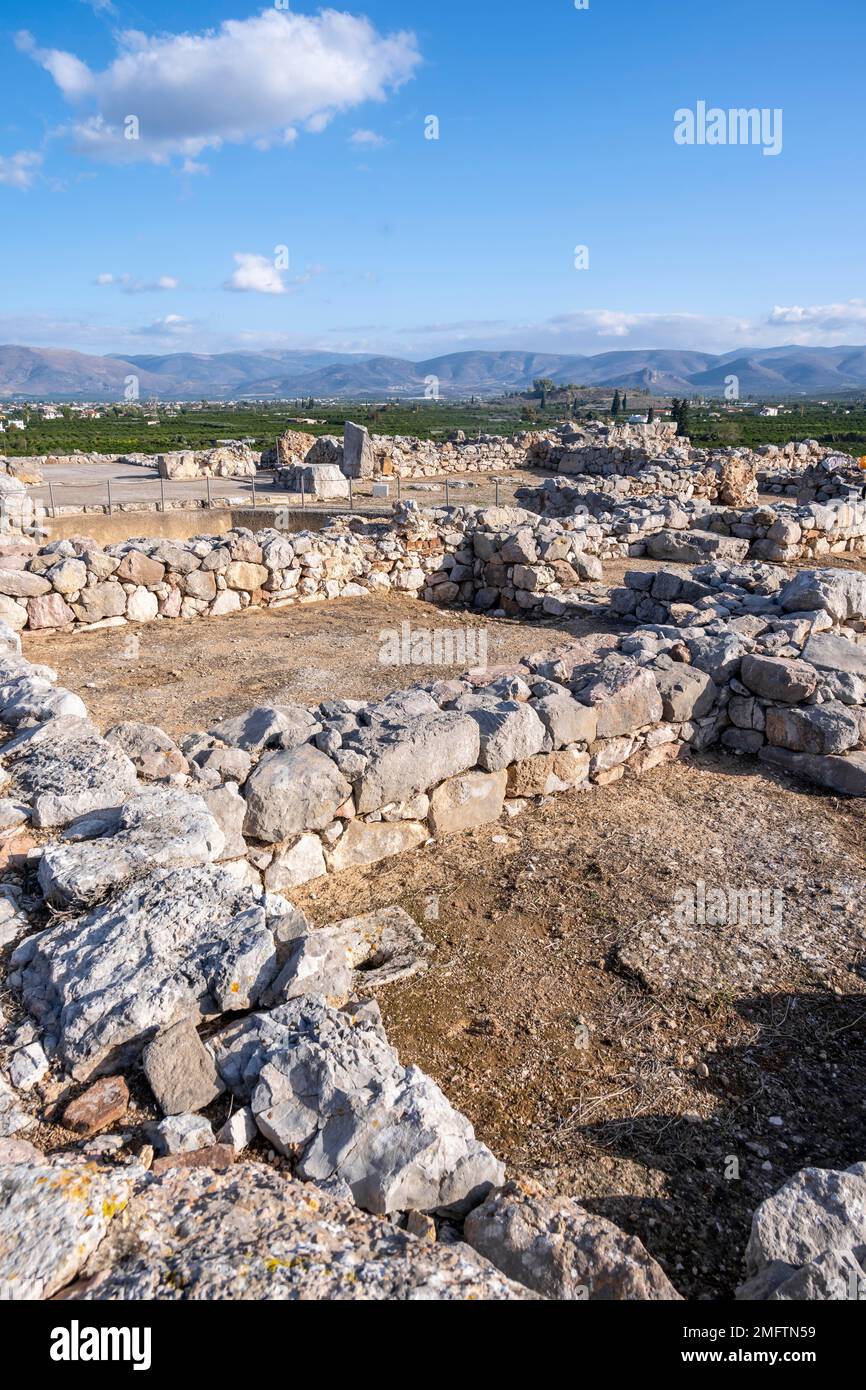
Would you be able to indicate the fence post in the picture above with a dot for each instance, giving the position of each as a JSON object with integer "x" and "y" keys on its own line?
{"x": 447, "y": 495}
{"x": 108, "y": 488}
{"x": 254, "y": 492}
{"x": 51, "y": 497}
{"x": 496, "y": 482}
{"x": 398, "y": 487}
{"x": 162, "y": 494}
{"x": 303, "y": 498}
{"x": 351, "y": 494}
{"x": 209, "y": 502}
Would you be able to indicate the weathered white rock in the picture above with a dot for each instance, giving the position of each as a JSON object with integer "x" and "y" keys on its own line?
{"x": 239, "y": 1130}
{"x": 366, "y": 843}
{"x": 297, "y": 864}
{"x": 686, "y": 692}
{"x": 625, "y": 698}
{"x": 151, "y": 751}
{"x": 13, "y": 1117}
{"x": 326, "y": 1084}
{"x": 407, "y": 759}
{"x": 180, "y": 943}
{"x": 182, "y": 1134}
{"x": 509, "y": 730}
{"x": 162, "y": 827}
{"x": 248, "y": 1234}
{"x": 565, "y": 720}
{"x": 142, "y": 606}
{"x": 292, "y": 792}
{"x": 267, "y": 727}
{"x": 359, "y": 953}
{"x": 818, "y": 1209}
{"x": 53, "y": 1216}
{"x": 67, "y": 769}
{"x": 561, "y": 1251}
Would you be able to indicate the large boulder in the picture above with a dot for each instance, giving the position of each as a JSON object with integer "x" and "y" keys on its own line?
{"x": 845, "y": 774}
{"x": 66, "y": 769}
{"x": 561, "y": 1251}
{"x": 268, "y": 726}
{"x": 625, "y": 697}
{"x": 178, "y": 943}
{"x": 827, "y": 728}
{"x": 686, "y": 692}
{"x": 829, "y": 651}
{"x": 696, "y": 547}
{"x": 778, "y": 678}
{"x": 161, "y": 828}
{"x": 359, "y": 459}
{"x": 809, "y": 1239}
{"x": 509, "y": 731}
{"x": 241, "y": 1234}
{"x": 292, "y": 792}
{"x": 841, "y": 593}
{"x": 405, "y": 759}
{"x": 326, "y": 1086}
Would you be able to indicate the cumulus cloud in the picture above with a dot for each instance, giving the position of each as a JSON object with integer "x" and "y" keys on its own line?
{"x": 130, "y": 285}
{"x": 249, "y": 81}
{"x": 260, "y": 275}
{"x": 256, "y": 274}
{"x": 20, "y": 170}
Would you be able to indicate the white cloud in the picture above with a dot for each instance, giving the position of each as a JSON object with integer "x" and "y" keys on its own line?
{"x": 172, "y": 326}
{"x": 249, "y": 80}
{"x": 256, "y": 274}
{"x": 822, "y": 318}
{"x": 20, "y": 170}
{"x": 367, "y": 138}
{"x": 73, "y": 77}
{"x": 130, "y": 285}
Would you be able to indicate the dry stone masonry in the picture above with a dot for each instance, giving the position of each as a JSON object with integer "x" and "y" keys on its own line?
{"x": 155, "y": 934}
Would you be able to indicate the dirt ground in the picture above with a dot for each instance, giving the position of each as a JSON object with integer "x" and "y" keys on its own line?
{"x": 187, "y": 674}
{"x": 670, "y": 1111}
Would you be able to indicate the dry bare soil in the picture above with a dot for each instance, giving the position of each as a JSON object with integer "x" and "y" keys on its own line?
{"x": 670, "y": 1105}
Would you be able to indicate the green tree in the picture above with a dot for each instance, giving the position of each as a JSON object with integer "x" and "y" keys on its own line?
{"x": 542, "y": 386}
{"x": 617, "y": 405}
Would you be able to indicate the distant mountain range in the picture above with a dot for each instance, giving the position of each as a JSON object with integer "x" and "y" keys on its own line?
{"x": 55, "y": 373}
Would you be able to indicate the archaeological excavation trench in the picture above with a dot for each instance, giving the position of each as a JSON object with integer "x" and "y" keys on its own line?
{"x": 473, "y": 897}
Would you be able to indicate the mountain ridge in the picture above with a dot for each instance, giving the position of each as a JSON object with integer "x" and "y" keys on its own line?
{"x": 62, "y": 373}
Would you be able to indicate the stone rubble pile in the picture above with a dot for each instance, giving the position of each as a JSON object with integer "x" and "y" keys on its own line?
{"x": 225, "y": 461}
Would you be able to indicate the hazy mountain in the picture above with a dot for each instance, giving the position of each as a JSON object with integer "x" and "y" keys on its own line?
{"x": 286, "y": 374}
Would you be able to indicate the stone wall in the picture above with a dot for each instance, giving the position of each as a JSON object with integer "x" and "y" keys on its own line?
{"x": 493, "y": 558}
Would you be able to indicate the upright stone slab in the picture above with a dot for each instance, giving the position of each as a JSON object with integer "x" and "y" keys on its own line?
{"x": 359, "y": 460}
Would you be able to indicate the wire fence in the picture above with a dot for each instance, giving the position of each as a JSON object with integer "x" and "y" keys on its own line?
{"x": 123, "y": 493}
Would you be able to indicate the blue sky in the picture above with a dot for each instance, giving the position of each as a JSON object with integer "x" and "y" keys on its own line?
{"x": 306, "y": 130}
